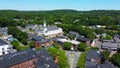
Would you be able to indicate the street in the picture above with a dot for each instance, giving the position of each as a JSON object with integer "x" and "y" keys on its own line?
{"x": 73, "y": 58}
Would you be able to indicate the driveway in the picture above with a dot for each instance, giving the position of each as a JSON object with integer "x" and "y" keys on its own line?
{"x": 72, "y": 58}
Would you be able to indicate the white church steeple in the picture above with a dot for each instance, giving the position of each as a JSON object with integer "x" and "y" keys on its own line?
{"x": 44, "y": 23}
{"x": 44, "y": 26}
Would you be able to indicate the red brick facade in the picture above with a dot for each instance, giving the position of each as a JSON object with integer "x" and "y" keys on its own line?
{"x": 42, "y": 45}
{"x": 26, "y": 64}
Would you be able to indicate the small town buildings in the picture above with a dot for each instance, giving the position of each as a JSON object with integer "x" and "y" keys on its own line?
{"x": 50, "y": 31}
{"x": 27, "y": 59}
{"x": 109, "y": 45}
{"x": 44, "y": 30}
{"x": 39, "y": 41}
{"x": 5, "y": 48}
{"x": 83, "y": 39}
{"x": 3, "y": 31}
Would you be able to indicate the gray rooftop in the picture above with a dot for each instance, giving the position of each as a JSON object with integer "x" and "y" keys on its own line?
{"x": 45, "y": 60}
{"x": 3, "y": 42}
{"x": 17, "y": 57}
{"x": 90, "y": 64}
{"x": 93, "y": 54}
{"x": 50, "y": 28}
{"x": 110, "y": 44}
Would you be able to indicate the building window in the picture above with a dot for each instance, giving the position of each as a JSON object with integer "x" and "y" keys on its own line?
{"x": 2, "y": 48}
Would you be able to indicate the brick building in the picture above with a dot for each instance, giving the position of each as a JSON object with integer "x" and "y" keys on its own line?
{"x": 27, "y": 59}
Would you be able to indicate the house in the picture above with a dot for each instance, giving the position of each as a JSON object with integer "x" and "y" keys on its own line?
{"x": 5, "y": 48}
{"x": 4, "y": 31}
{"x": 93, "y": 57}
{"x": 27, "y": 59}
{"x": 109, "y": 45}
{"x": 39, "y": 41}
{"x": 83, "y": 39}
{"x": 75, "y": 34}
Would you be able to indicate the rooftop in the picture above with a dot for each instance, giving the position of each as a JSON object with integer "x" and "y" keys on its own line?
{"x": 93, "y": 54}
{"x": 45, "y": 60}
{"x": 17, "y": 57}
{"x": 49, "y": 28}
{"x": 2, "y": 42}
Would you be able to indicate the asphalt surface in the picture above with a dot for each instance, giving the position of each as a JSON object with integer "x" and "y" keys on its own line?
{"x": 72, "y": 58}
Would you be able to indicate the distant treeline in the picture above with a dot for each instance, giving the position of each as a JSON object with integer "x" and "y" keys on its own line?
{"x": 94, "y": 17}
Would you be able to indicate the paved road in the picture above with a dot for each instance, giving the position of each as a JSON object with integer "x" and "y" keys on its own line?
{"x": 72, "y": 58}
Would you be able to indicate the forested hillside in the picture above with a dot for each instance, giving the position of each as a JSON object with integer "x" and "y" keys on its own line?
{"x": 94, "y": 17}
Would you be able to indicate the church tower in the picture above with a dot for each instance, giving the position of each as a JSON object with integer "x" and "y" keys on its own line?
{"x": 44, "y": 23}
{"x": 44, "y": 26}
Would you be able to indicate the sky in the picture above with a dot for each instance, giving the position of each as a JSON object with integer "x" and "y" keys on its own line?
{"x": 81, "y": 5}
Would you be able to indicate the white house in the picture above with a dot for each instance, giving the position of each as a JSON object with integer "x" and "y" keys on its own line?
{"x": 5, "y": 48}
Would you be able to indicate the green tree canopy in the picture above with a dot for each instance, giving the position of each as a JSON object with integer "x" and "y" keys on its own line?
{"x": 115, "y": 59}
{"x": 105, "y": 55}
{"x": 67, "y": 45}
{"x": 62, "y": 58}
{"x": 82, "y": 46}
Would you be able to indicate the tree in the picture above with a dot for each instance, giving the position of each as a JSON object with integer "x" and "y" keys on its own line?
{"x": 82, "y": 46}
{"x": 115, "y": 59}
{"x": 81, "y": 60}
{"x": 67, "y": 45}
{"x": 21, "y": 36}
{"x": 31, "y": 44}
{"x": 56, "y": 45}
{"x": 17, "y": 46}
{"x": 71, "y": 37}
{"x": 62, "y": 58}
{"x": 105, "y": 55}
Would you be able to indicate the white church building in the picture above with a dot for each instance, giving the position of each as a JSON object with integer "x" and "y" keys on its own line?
{"x": 50, "y": 31}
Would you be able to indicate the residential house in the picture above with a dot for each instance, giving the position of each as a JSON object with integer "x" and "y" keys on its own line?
{"x": 109, "y": 45}
{"x": 75, "y": 34}
{"x": 83, "y": 39}
{"x": 5, "y": 48}
{"x": 93, "y": 57}
{"x": 4, "y": 31}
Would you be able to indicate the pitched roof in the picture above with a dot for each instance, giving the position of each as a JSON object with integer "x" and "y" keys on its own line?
{"x": 50, "y": 28}
{"x": 17, "y": 57}
{"x": 45, "y": 60}
{"x": 93, "y": 54}
{"x": 38, "y": 38}
{"x": 2, "y": 42}
{"x": 106, "y": 65}
{"x": 82, "y": 39}
{"x": 90, "y": 64}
